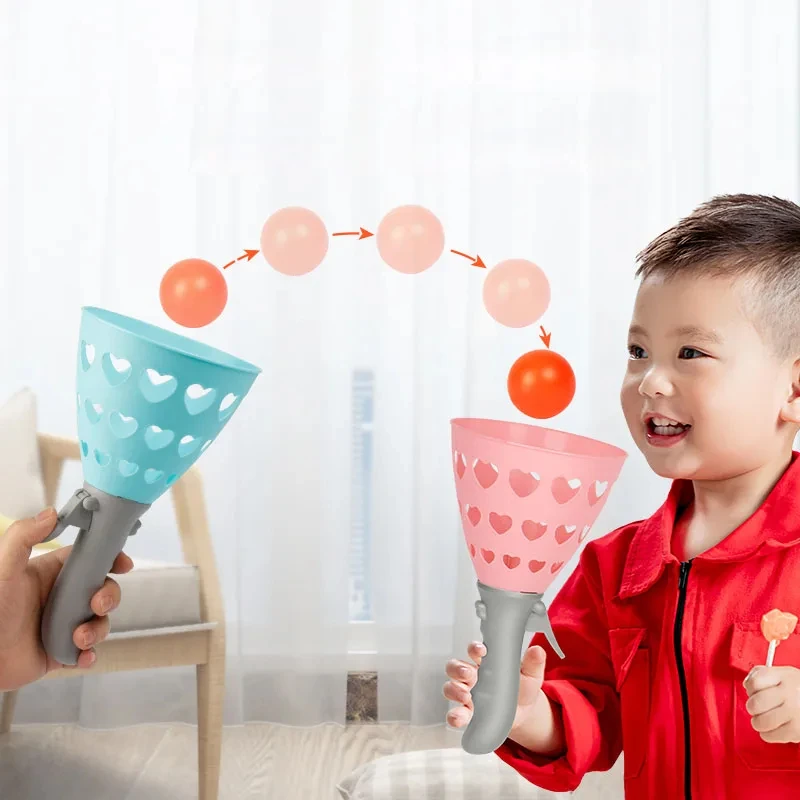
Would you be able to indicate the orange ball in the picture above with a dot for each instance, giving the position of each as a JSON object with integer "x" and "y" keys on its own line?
{"x": 193, "y": 292}
{"x": 541, "y": 384}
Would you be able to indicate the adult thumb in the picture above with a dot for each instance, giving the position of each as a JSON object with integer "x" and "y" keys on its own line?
{"x": 531, "y": 674}
{"x": 18, "y": 541}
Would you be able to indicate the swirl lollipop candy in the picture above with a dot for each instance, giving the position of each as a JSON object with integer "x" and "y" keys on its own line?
{"x": 777, "y": 626}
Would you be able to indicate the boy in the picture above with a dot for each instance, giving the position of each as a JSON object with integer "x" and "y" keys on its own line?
{"x": 660, "y": 622}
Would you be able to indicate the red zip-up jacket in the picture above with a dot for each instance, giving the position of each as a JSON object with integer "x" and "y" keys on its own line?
{"x": 657, "y": 651}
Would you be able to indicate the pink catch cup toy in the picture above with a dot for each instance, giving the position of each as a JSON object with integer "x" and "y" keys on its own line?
{"x": 528, "y": 497}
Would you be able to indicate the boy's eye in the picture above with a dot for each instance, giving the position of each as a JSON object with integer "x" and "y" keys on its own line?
{"x": 632, "y": 350}
{"x": 691, "y": 350}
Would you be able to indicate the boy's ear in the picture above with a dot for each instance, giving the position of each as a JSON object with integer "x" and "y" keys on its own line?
{"x": 791, "y": 409}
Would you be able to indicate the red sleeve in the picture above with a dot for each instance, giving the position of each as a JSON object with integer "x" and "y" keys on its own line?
{"x": 583, "y": 684}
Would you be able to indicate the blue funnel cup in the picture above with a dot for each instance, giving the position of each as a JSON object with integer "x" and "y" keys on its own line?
{"x": 149, "y": 403}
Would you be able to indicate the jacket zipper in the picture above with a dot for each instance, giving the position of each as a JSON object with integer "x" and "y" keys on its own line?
{"x": 687, "y": 757}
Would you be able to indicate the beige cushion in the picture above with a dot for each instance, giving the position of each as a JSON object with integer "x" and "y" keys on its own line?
{"x": 157, "y": 597}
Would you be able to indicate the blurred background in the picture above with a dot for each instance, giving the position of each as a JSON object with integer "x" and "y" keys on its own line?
{"x": 136, "y": 135}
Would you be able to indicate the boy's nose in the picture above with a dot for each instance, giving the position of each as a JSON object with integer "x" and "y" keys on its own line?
{"x": 655, "y": 382}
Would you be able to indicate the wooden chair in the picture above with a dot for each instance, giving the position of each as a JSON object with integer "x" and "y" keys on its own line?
{"x": 203, "y": 648}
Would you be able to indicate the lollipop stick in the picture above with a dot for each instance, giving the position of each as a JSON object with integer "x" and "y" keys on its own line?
{"x": 771, "y": 654}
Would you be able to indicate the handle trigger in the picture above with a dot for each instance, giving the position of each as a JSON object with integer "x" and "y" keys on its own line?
{"x": 538, "y": 622}
{"x": 77, "y": 512}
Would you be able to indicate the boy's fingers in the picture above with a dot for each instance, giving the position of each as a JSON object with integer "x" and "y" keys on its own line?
{"x": 533, "y": 662}
{"x": 476, "y": 651}
{"x": 532, "y": 674}
{"x": 17, "y": 543}
{"x": 458, "y": 693}
{"x": 459, "y": 717}
{"x": 760, "y": 678}
{"x": 461, "y": 671}
{"x": 765, "y": 700}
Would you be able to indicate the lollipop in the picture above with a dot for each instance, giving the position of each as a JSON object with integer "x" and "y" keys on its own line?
{"x": 777, "y": 626}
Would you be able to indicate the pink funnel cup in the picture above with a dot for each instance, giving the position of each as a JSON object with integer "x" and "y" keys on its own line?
{"x": 528, "y": 497}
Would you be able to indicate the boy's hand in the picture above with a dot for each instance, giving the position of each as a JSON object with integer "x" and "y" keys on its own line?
{"x": 25, "y": 584}
{"x": 774, "y": 702}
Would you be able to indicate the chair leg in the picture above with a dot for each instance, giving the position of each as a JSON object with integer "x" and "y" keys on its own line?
{"x": 7, "y": 714}
{"x": 210, "y": 700}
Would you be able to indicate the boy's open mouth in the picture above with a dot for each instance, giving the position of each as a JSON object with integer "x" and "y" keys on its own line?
{"x": 664, "y": 426}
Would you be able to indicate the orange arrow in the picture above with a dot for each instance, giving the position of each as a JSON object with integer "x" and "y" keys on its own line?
{"x": 248, "y": 254}
{"x": 476, "y": 262}
{"x": 545, "y": 337}
{"x": 365, "y": 234}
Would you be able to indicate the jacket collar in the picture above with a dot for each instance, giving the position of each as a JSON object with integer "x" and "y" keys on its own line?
{"x": 775, "y": 525}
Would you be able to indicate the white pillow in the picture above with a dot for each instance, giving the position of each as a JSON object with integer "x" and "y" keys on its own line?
{"x": 21, "y": 486}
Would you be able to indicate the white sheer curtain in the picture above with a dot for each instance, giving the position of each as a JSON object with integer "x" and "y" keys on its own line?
{"x": 568, "y": 133}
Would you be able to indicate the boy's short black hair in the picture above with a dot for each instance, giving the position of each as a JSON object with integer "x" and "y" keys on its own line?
{"x": 751, "y": 237}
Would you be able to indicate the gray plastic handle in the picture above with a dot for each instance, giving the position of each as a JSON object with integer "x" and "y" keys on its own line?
{"x": 505, "y": 616}
{"x": 105, "y": 522}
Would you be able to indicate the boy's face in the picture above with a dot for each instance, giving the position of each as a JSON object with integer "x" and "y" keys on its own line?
{"x": 732, "y": 392}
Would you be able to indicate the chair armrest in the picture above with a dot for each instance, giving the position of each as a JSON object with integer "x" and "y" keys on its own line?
{"x": 190, "y": 512}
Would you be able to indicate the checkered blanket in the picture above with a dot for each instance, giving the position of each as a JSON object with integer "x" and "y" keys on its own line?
{"x": 452, "y": 774}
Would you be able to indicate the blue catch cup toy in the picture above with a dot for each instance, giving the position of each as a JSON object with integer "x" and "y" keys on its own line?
{"x": 149, "y": 403}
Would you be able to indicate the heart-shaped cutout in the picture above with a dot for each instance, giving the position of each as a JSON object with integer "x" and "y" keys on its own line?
{"x": 127, "y": 468}
{"x": 157, "y": 387}
{"x": 156, "y": 438}
{"x": 523, "y": 483}
{"x": 584, "y": 533}
{"x": 103, "y": 459}
{"x": 511, "y": 561}
{"x": 535, "y": 566}
{"x": 472, "y": 550}
{"x": 533, "y": 530}
{"x": 556, "y": 567}
{"x": 187, "y": 445}
{"x": 485, "y": 474}
{"x": 564, "y": 532}
{"x": 93, "y": 411}
{"x": 564, "y": 490}
{"x": 473, "y": 515}
{"x": 116, "y": 370}
{"x": 461, "y": 465}
{"x": 122, "y": 426}
{"x": 596, "y": 491}
{"x": 228, "y": 405}
{"x": 488, "y": 556}
{"x": 152, "y": 475}
{"x": 500, "y": 522}
{"x": 198, "y": 398}
{"x": 87, "y": 355}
